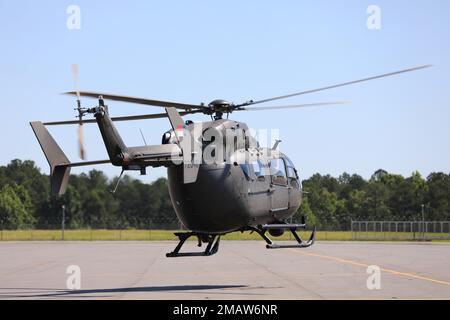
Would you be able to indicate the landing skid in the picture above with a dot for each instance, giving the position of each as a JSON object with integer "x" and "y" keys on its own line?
{"x": 212, "y": 247}
{"x": 261, "y": 230}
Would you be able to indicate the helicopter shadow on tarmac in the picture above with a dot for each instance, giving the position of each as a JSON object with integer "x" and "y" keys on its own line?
{"x": 36, "y": 293}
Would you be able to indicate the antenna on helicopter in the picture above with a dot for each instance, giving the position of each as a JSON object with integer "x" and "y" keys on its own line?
{"x": 142, "y": 135}
{"x": 117, "y": 183}
{"x": 277, "y": 143}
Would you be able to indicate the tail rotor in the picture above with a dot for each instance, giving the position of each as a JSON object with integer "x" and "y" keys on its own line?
{"x": 81, "y": 111}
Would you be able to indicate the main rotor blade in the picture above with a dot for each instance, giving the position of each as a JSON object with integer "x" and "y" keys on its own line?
{"x": 306, "y": 105}
{"x": 124, "y": 118}
{"x": 144, "y": 101}
{"x": 335, "y": 86}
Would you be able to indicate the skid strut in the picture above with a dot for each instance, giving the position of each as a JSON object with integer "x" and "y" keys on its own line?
{"x": 211, "y": 248}
{"x": 261, "y": 230}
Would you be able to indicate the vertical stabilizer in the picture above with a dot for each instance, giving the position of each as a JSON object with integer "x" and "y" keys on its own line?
{"x": 59, "y": 164}
{"x": 190, "y": 170}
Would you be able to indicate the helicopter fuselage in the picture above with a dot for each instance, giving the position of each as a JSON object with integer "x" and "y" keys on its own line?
{"x": 251, "y": 186}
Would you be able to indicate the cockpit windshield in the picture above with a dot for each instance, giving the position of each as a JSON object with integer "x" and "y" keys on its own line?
{"x": 289, "y": 163}
{"x": 291, "y": 172}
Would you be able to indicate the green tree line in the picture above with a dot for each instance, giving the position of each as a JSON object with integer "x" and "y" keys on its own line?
{"x": 329, "y": 202}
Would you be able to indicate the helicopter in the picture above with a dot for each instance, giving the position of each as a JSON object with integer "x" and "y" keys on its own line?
{"x": 220, "y": 179}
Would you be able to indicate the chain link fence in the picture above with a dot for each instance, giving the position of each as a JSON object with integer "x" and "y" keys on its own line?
{"x": 96, "y": 228}
{"x": 400, "y": 230}
{"x": 162, "y": 228}
{"x": 154, "y": 228}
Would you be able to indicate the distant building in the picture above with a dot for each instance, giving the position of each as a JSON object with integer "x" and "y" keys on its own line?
{"x": 379, "y": 174}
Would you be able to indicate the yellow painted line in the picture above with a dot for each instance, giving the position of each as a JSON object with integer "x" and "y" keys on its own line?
{"x": 394, "y": 272}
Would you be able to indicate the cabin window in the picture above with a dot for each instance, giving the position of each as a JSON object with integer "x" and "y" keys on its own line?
{"x": 278, "y": 171}
{"x": 259, "y": 170}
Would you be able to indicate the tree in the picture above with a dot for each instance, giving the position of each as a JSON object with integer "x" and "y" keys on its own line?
{"x": 357, "y": 204}
{"x": 305, "y": 211}
{"x": 437, "y": 196}
{"x": 15, "y": 207}
{"x": 331, "y": 203}
{"x": 26, "y": 174}
{"x": 324, "y": 204}
{"x": 349, "y": 183}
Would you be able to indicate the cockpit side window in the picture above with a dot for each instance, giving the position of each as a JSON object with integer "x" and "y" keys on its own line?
{"x": 278, "y": 171}
{"x": 260, "y": 170}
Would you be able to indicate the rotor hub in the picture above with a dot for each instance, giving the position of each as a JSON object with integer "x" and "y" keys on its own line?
{"x": 219, "y": 107}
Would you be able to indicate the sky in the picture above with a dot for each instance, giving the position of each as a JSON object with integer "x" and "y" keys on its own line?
{"x": 197, "y": 51}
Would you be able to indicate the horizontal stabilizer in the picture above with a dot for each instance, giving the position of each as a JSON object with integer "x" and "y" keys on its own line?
{"x": 158, "y": 155}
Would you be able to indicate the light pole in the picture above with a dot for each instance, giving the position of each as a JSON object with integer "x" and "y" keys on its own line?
{"x": 423, "y": 223}
{"x": 63, "y": 221}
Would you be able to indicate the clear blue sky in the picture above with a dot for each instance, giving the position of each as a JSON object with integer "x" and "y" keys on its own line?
{"x": 195, "y": 51}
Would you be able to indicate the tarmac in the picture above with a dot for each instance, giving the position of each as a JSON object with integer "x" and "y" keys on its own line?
{"x": 243, "y": 270}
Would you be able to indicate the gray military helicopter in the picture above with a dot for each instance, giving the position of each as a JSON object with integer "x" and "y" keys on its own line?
{"x": 245, "y": 187}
